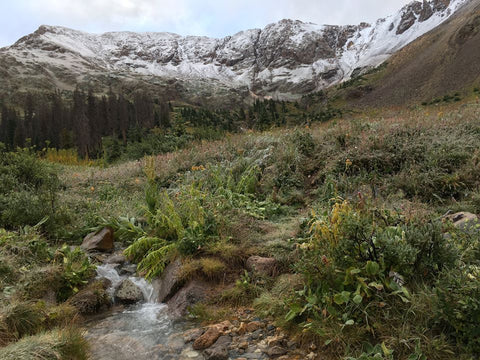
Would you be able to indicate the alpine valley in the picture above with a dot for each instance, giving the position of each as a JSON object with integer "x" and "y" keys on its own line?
{"x": 298, "y": 192}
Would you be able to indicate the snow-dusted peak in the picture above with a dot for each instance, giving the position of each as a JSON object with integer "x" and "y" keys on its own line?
{"x": 285, "y": 59}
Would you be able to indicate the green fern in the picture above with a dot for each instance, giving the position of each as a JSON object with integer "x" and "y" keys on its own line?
{"x": 248, "y": 181}
{"x": 155, "y": 261}
{"x": 142, "y": 246}
{"x": 126, "y": 229}
{"x": 166, "y": 221}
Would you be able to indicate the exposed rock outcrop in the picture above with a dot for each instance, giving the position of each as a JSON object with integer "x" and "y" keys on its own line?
{"x": 189, "y": 295}
{"x": 465, "y": 221}
{"x": 170, "y": 281}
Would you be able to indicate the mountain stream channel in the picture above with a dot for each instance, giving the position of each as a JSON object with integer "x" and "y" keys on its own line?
{"x": 142, "y": 331}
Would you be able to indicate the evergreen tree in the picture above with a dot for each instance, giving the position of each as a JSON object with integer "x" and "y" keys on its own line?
{"x": 80, "y": 123}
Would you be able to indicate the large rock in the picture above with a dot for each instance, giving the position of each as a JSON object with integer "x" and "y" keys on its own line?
{"x": 276, "y": 351}
{"x": 170, "y": 281}
{"x": 117, "y": 258}
{"x": 128, "y": 269}
{"x": 192, "y": 335}
{"x": 92, "y": 299}
{"x": 207, "y": 339}
{"x": 99, "y": 241}
{"x": 116, "y": 346}
{"x": 189, "y": 295}
{"x": 465, "y": 221}
{"x": 262, "y": 266}
{"x": 219, "y": 350}
{"x": 128, "y": 293}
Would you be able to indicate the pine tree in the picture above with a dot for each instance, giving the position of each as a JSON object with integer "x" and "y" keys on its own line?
{"x": 94, "y": 123}
{"x": 19, "y": 137}
{"x": 80, "y": 123}
{"x": 3, "y": 125}
{"x": 123, "y": 118}
{"x": 28, "y": 116}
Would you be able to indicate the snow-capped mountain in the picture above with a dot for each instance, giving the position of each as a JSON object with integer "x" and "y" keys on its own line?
{"x": 284, "y": 60}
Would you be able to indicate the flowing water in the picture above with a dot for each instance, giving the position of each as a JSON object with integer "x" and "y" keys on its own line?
{"x": 142, "y": 332}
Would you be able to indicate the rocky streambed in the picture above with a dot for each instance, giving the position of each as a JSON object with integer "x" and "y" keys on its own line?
{"x": 137, "y": 326}
{"x": 141, "y": 328}
{"x": 147, "y": 320}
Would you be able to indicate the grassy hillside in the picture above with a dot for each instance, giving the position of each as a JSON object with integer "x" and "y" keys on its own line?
{"x": 351, "y": 209}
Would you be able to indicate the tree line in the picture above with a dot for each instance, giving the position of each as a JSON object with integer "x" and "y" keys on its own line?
{"x": 84, "y": 120}
{"x": 79, "y": 122}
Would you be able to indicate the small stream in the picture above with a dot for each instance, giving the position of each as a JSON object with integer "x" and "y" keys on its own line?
{"x": 142, "y": 332}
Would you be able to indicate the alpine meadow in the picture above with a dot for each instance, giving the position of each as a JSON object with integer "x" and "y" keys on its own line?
{"x": 295, "y": 192}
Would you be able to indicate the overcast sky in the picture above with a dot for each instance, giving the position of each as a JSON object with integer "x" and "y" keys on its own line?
{"x": 216, "y": 18}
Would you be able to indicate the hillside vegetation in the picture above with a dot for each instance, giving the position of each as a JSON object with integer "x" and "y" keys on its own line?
{"x": 351, "y": 209}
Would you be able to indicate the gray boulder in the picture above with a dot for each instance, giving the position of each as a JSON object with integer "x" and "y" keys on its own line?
{"x": 465, "y": 221}
{"x": 192, "y": 293}
{"x": 127, "y": 269}
{"x": 117, "y": 258}
{"x": 128, "y": 293}
{"x": 219, "y": 350}
{"x": 170, "y": 281}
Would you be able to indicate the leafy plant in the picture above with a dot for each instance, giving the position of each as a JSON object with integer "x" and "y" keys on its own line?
{"x": 77, "y": 270}
{"x": 458, "y": 304}
{"x": 379, "y": 351}
{"x": 357, "y": 261}
{"x": 127, "y": 229}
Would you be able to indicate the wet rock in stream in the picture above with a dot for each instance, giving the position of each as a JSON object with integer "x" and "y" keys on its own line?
{"x": 128, "y": 293}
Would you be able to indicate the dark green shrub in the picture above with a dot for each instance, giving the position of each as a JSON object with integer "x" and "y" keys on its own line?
{"x": 458, "y": 305}
{"x": 357, "y": 262}
{"x": 433, "y": 251}
{"x": 303, "y": 142}
{"x": 28, "y": 190}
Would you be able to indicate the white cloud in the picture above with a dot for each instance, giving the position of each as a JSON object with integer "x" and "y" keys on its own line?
{"x": 104, "y": 13}
{"x": 197, "y": 17}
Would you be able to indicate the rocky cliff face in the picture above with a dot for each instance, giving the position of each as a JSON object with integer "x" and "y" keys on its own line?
{"x": 284, "y": 60}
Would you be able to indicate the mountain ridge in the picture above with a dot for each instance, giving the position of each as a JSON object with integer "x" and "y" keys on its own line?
{"x": 284, "y": 60}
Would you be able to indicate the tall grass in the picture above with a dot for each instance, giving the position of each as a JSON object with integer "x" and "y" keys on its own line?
{"x": 68, "y": 157}
{"x": 60, "y": 344}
